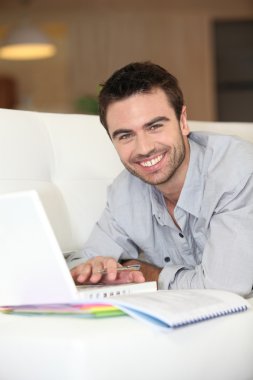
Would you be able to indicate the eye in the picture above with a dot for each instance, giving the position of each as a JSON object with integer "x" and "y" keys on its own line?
{"x": 153, "y": 127}
{"x": 124, "y": 136}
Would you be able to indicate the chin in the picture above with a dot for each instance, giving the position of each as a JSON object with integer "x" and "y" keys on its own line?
{"x": 152, "y": 180}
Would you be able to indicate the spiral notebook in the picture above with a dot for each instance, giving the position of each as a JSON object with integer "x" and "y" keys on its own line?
{"x": 176, "y": 308}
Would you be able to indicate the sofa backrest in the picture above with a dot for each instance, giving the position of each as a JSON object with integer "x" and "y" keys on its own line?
{"x": 70, "y": 161}
{"x": 241, "y": 129}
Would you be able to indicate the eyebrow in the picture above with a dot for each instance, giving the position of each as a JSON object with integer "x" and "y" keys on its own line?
{"x": 148, "y": 124}
{"x": 156, "y": 120}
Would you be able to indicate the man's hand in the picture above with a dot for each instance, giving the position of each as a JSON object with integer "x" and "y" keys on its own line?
{"x": 90, "y": 272}
{"x": 149, "y": 271}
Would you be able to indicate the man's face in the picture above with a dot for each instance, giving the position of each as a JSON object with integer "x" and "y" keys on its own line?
{"x": 148, "y": 137}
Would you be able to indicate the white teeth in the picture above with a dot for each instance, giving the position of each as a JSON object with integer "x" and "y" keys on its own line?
{"x": 152, "y": 162}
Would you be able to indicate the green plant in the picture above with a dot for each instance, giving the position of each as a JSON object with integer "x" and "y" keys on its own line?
{"x": 87, "y": 104}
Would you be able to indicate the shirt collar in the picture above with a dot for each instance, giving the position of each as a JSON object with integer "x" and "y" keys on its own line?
{"x": 192, "y": 192}
{"x": 157, "y": 200}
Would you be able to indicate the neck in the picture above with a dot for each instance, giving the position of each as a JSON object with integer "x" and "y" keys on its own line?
{"x": 171, "y": 189}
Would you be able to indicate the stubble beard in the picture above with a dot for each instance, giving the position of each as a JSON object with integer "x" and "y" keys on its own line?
{"x": 176, "y": 155}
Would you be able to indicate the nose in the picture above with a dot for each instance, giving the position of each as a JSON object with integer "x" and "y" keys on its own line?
{"x": 144, "y": 144}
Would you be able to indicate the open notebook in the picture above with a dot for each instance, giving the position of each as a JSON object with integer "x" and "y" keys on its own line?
{"x": 33, "y": 269}
{"x": 177, "y": 308}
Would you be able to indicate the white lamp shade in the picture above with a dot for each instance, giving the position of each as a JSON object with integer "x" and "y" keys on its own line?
{"x": 25, "y": 43}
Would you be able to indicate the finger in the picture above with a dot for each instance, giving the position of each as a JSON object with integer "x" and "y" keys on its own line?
{"x": 127, "y": 277}
{"x": 96, "y": 271}
{"x": 83, "y": 273}
{"x": 111, "y": 266}
{"x": 76, "y": 271}
{"x": 131, "y": 276}
{"x": 136, "y": 276}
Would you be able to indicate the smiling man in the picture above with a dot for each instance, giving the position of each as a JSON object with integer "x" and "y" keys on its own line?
{"x": 185, "y": 200}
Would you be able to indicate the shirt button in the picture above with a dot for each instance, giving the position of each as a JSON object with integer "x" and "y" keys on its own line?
{"x": 181, "y": 235}
{"x": 167, "y": 259}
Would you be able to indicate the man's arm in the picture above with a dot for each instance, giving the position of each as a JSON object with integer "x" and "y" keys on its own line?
{"x": 106, "y": 245}
{"x": 227, "y": 261}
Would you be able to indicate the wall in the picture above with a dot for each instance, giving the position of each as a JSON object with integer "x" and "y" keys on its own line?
{"x": 97, "y": 39}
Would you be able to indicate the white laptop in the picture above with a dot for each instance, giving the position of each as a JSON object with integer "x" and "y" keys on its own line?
{"x": 32, "y": 267}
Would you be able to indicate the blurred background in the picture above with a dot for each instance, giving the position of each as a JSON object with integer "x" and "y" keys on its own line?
{"x": 206, "y": 44}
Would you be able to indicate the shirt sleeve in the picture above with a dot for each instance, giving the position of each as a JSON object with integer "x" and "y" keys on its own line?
{"x": 107, "y": 239}
{"x": 227, "y": 261}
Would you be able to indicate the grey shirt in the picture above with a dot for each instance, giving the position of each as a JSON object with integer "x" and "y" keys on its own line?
{"x": 213, "y": 247}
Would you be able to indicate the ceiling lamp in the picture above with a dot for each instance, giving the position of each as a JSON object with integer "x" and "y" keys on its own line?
{"x": 26, "y": 43}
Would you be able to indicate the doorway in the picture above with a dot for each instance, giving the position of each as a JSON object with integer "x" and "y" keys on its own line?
{"x": 234, "y": 70}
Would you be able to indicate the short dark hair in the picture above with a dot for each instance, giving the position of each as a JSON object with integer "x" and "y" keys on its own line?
{"x": 139, "y": 77}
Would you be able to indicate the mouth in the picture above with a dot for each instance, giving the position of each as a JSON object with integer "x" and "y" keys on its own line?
{"x": 153, "y": 162}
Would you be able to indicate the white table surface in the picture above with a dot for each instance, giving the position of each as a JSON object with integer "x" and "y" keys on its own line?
{"x": 65, "y": 348}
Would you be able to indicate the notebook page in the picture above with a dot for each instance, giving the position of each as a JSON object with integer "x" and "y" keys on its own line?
{"x": 174, "y": 308}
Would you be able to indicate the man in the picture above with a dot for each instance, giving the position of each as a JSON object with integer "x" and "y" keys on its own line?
{"x": 185, "y": 201}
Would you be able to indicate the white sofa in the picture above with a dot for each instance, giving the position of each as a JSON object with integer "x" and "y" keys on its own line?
{"x": 70, "y": 160}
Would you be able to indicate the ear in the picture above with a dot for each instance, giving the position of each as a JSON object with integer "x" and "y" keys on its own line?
{"x": 183, "y": 122}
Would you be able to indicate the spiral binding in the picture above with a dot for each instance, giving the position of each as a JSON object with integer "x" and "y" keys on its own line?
{"x": 210, "y": 316}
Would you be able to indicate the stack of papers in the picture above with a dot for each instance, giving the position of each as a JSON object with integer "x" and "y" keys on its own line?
{"x": 89, "y": 310}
